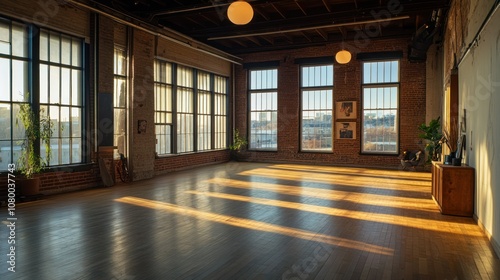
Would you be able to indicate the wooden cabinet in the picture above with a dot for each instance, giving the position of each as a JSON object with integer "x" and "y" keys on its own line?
{"x": 453, "y": 188}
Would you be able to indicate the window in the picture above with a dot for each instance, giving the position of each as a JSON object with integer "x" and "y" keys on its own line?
{"x": 58, "y": 65}
{"x": 380, "y": 107}
{"x": 263, "y": 109}
{"x": 163, "y": 107}
{"x": 185, "y": 109}
{"x": 61, "y": 72}
{"x": 13, "y": 88}
{"x": 317, "y": 108}
{"x": 120, "y": 100}
{"x": 220, "y": 112}
{"x": 197, "y": 122}
{"x": 204, "y": 111}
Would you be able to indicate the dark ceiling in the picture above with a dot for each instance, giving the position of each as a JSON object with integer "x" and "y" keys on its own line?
{"x": 284, "y": 24}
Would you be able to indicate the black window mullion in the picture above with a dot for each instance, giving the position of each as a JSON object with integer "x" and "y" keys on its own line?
{"x": 212, "y": 111}
{"x": 195, "y": 109}
{"x": 174, "y": 109}
{"x": 34, "y": 75}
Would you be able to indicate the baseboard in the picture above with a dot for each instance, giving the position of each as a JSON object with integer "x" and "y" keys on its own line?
{"x": 493, "y": 242}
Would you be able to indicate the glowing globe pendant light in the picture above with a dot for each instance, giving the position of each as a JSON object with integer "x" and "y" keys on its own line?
{"x": 343, "y": 57}
{"x": 240, "y": 12}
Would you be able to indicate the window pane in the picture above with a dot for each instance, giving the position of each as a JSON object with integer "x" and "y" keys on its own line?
{"x": 55, "y": 152}
{"x": 76, "y": 122}
{"x": 44, "y": 46}
{"x": 18, "y": 129}
{"x": 55, "y": 79}
{"x": 65, "y": 151}
{"x": 65, "y": 86}
{"x": 19, "y": 40}
{"x": 65, "y": 122}
{"x": 120, "y": 130}
{"x": 76, "y": 59}
{"x": 55, "y": 47}
{"x": 317, "y": 76}
{"x": 4, "y": 79}
{"x": 120, "y": 93}
{"x": 44, "y": 83}
{"x": 76, "y": 87}
{"x": 54, "y": 117}
{"x": 120, "y": 63}
{"x": 19, "y": 79}
{"x": 66, "y": 50}
{"x": 76, "y": 150}
{"x": 4, "y": 37}
{"x": 184, "y": 76}
{"x": 6, "y": 119}
{"x": 263, "y": 79}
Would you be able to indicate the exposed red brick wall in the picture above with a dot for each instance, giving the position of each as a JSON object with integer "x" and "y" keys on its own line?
{"x": 65, "y": 180}
{"x": 347, "y": 86}
{"x": 179, "y": 162}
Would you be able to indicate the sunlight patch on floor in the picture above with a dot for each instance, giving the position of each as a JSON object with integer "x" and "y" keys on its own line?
{"x": 420, "y": 223}
{"x": 255, "y": 225}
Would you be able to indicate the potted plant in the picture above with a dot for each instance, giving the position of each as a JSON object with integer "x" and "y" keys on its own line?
{"x": 432, "y": 133}
{"x": 238, "y": 143}
{"x": 38, "y": 129}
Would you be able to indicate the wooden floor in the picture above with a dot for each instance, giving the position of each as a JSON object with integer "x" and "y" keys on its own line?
{"x": 250, "y": 221}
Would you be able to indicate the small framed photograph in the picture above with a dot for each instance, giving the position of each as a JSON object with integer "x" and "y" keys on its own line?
{"x": 345, "y": 110}
{"x": 345, "y": 130}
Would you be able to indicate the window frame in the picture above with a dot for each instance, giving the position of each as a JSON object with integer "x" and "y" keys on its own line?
{"x": 12, "y": 102}
{"x": 58, "y": 136}
{"x": 34, "y": 82}
{"x": 215, "y": 137}
{"x": 125, "y": 79}
{"x": 168, "y": 85}
{"x": 303, "y": 88}
{"x": 381, "y": 85}
{"x": 267, "y": 90}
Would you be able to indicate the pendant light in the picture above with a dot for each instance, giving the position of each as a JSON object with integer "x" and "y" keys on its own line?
{"x": 240, "y": 12}
{"x": 343, "y": 57}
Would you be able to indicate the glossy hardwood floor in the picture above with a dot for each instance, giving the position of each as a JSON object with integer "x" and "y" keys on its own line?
{"x": 250, "y": 221}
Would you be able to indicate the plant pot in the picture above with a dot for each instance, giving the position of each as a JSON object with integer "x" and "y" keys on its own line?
{"x": 29, "y": 187}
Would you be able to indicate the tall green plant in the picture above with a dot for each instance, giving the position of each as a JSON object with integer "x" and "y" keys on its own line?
{"x": 432, "y": 133}
{"x": 37, "y": 128}
{"x": 238, "y": 143}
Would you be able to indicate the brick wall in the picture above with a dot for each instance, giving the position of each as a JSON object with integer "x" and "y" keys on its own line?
{"x": 347, "y": 86}
{"x": 179, "y": 162}
{"x": 142, "y": 145}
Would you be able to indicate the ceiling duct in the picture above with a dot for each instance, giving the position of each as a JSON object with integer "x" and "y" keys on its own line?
{"x": 423, "y": 38}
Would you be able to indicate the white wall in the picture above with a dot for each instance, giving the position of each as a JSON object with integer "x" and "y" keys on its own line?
{"x": 479, "y": 95}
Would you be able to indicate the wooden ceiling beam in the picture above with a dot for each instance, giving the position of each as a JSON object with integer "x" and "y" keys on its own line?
{"x": 277, "y": 10}
{"x": 255, "y": 41}
{"x": 300, "y": 7}
{"x": 322, "y": 33}
{"x": 326, "y": 6}
{"x": 305, "y": 36}
{"x": 265, "y": 38}
{"x": 261, "y": 14}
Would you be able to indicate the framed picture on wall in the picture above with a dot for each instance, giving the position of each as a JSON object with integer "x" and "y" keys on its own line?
{"x": 345, "y": 110}
{"x": 345, "y": 130}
